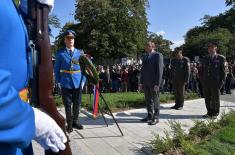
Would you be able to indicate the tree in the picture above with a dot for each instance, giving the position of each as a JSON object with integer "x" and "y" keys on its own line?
{"x": 230, "y": 2}
{"x": 220, "y": 28}
{"x": 197, "y": 45}
{"x": 162, "y": 44}
{"x": 223, "y": 20}
{"x": 54, "y": 21}
{"x": 111, "y": 28}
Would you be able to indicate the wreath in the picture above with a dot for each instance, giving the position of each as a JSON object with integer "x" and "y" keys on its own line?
{"x": 89, "y": 69}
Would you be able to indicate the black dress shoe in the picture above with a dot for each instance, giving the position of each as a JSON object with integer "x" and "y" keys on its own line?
{"x": 205, "y": 116}
{"x": 144, "y": 119}
{"x": 69, "y": 129}
{"x": 153, "y": 122}
{"x": 77, "y": 126}
{"x": 173, "y": 107}
{"x": 213, "y": 117}
{"x": 179, "y": 108}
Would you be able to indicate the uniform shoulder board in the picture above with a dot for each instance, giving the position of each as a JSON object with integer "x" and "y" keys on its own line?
{"x": 221, "y": 56}
{"x": 186, "y": 59}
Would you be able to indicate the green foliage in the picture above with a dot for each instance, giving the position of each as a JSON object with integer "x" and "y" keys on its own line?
{"x": 124, "y": 100}
{"x": 117, "y": 100}
{"x": 222, "y": 139}
{"x": 230, "y": 2}
{"x": 168, "y": 144}
{"x": 220, "y": 28}
{"x": 199, "y": 43}
{"x": 54, "y": 21}
{"x": 178, "y": 133}
{"x": 199, "y": 130}
{"x": 202, "y": 129}
{"x": 110, "y": 28}
{"x": 207, "y": 138}
{"x": 58, "y": 101}
{"x": 162, "y": 44}
{"x": 190, "y": 95}
{"x": 162, "y": 144}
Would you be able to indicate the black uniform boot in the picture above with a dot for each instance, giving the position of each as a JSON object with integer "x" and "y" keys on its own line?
{"x": 68, "y": 113}
{"x": 76, "y": 123}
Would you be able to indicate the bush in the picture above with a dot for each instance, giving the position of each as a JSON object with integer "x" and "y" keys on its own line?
{"x": 204, "y": 138}
{"x": 161, "y": 145}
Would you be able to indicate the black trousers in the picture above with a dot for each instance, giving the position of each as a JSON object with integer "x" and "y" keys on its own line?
{"x": 212, "y": 99}
{"x": 179, "y": 88}
{"x": 72, "y": 99}
{"x": 152, "y": 102}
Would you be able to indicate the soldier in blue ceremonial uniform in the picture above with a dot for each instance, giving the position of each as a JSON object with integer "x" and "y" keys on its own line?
{"x": 213, "y": 78}
{"x": 68, "y": 76}
{"x": 19, "y": 122}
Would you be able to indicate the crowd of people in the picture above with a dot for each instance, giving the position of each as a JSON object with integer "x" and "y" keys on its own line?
{"x": 124, "y": 78}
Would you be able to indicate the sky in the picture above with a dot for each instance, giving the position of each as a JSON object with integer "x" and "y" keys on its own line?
{"x": 170, "y": 18}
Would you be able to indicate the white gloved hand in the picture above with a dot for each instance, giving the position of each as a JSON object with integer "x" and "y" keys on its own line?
{"x": 83, "y": 83}
{"x": 48, "y": 134}
{"x": 46, "y": 2}
{"x": 59, "y": 85}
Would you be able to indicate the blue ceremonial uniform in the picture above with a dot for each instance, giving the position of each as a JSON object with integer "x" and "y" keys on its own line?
{"x": 64, "y": 64}
{"x": 17, "y": 127}
{"x": 68, "y": 74}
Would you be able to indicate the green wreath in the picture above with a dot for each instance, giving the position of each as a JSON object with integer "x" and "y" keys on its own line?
{"x": 89, "y": 69}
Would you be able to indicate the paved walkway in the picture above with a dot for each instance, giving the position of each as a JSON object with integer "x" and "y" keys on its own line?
{"x": 98, "y": 139}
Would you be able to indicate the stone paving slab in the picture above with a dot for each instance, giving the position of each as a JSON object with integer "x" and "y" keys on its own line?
{"x": 98, "y": 139}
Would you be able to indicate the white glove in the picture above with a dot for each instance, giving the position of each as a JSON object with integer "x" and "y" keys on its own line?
{"x": 24, "y": 4}
{"x": 59, "y": 86}
{"x": 83, "y": 83}
{"x": 48, "y": 134}
{"x": 47, "y": 2}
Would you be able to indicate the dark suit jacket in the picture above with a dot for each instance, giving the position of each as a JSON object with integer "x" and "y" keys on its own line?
{"x": 152, "y": 69}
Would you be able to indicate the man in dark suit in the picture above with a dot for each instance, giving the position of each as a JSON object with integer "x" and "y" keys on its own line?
{"x": 151, "y": 76}
{"x": 179, "y": 73}
{"x": 213, "y": 78}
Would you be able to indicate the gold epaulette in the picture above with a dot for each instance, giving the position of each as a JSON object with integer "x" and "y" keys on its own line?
{"x": 70, "y": 72}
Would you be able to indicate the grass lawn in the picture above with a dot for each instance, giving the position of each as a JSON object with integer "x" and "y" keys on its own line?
{"x": 126, "y": 100}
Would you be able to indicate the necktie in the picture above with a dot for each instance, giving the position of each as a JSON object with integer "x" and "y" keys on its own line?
{"x": 71, "y": 53}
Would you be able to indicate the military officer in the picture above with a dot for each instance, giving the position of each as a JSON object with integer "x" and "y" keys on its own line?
{"x": 213, "y": 78}
{"x": 19, "y": 122}
{"x": 150, "y": 80}
{"x": 179, "y": 73}
{"x": 68, "y": 76}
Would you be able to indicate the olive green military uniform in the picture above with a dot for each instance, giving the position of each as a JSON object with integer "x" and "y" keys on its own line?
{"x": 213, "y": 78}
{"x": 180, "y": 71}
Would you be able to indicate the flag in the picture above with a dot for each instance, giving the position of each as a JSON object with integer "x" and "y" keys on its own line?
{"x": 96, "y": 100}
